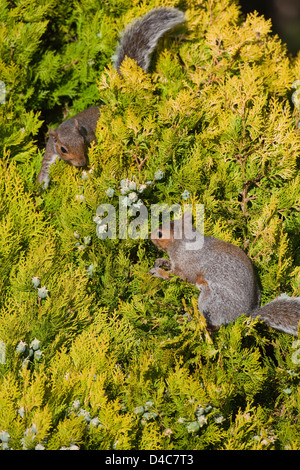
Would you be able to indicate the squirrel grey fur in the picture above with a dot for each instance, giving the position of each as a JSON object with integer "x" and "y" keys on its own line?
{"x": 71, "y": 139}
{"x": 224, "y": 275}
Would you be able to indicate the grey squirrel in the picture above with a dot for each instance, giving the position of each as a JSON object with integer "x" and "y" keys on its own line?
{"x": 224, "y": 275}
{"x": 71, "y": 139}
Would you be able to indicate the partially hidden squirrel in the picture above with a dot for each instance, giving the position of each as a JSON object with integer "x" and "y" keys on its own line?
{"x": 72, "y": 138}
{"x": 224, "y": 275}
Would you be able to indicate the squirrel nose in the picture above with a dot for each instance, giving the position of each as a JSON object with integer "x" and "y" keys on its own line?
{"x": 81, "y": 162}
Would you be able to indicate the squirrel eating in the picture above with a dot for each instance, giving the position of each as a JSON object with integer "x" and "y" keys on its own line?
{"x": 224, "y": 275}
{"x": 72, "y": 138}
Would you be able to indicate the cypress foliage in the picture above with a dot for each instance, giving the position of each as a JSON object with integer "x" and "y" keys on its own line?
{"x": 95, "y": 353}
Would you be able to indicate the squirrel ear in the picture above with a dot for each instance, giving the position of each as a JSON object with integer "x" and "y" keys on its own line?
{"x": 53, "y": 134}
{"x": 82, "y": 130}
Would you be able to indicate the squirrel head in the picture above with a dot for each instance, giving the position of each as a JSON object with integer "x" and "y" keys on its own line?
{"x": 70, "y": 143}
{"x": 169, "y": 233}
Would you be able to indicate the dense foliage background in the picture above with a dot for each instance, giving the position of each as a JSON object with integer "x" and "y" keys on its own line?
{"x": 96, "y": 353}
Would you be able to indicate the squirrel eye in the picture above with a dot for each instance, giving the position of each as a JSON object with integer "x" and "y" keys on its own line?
{"x": 64, "y": 150}
{"x": 160, "y": 234}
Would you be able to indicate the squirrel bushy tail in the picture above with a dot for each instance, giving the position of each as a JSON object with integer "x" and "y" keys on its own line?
{"x": 141, "y": 37}
{"x": 223, "y": 274}
{"x": 282, "y": 314}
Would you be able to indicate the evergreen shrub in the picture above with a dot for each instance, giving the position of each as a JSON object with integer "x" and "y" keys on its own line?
{"x": 96, "y": 353}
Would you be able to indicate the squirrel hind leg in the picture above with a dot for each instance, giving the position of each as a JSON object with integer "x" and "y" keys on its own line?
{"x": 211, "y": 327}
{"x": 219, "y": 307}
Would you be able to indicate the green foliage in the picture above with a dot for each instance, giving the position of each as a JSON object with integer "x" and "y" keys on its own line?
{"x": 99, "y": 354}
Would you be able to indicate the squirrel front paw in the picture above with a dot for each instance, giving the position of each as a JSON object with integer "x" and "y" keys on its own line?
{"x": 159, "y": 272}
{"x": 160, "y": 262}
{"x": 153, "y": 272}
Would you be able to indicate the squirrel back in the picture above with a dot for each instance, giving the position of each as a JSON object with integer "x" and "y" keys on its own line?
{"x": 225, "y": 277}
{"x": 71, "y": 138}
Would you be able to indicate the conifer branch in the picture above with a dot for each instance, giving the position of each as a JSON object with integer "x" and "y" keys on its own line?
{"x": 139, "y": 163}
